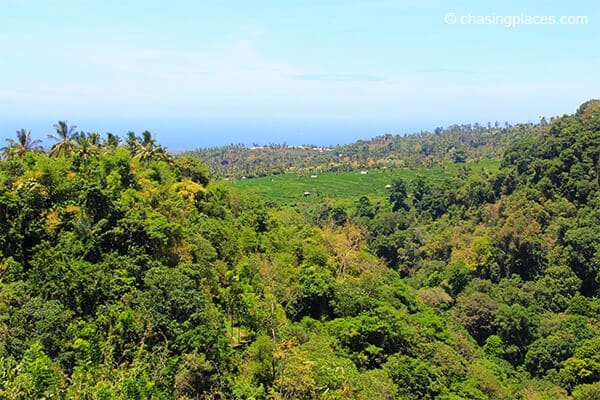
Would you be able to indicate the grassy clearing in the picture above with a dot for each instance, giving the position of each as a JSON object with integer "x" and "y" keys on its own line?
{"x": 346, "y": 186}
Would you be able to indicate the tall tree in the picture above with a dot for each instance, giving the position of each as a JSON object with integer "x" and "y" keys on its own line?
{"x": 132, "y": 142}
{"x": 399, "y": 195}
{"x": 112, "y": 141}
{"x": 94, "y": 138}
{"x": 21, "y": 145}
{"x": 147, "y": 149}
{"x": 64, "y": 137}
{"x": 86, "y": 145}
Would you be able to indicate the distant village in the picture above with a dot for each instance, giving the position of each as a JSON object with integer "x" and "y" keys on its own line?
{"x": 303, "y": 147}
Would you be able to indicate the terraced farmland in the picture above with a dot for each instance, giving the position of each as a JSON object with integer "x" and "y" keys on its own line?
{"x": 346, "y": 186}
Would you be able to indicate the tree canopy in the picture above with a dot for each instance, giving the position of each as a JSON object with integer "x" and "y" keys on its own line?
{"x": 127, "y": 272}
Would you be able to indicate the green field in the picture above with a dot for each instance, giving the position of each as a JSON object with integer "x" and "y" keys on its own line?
{"x": 346, "y": 186}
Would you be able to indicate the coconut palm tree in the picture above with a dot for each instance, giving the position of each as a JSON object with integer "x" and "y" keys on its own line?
{"x": 161, "y": 154}
{"x": 112, "y": 141}
{"x": 64, "y": 137}
{"x": 94, "y": 138}
{"x": 145, "y": 149}
{"x": 21, "y": 145}
{"x": 132, "y": 142}
{"x": 147, "y": 139}
{"x": 85, "y": 145}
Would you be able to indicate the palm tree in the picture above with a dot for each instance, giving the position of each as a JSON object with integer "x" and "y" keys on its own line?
{"x": 147, "y": 139}
{"x": 64, "y": 137}
{"x": 22, "y": 145}
{"x": 86, "y": 145}
{"x": 112, "y": 141}
{"x": 145, "y": 148}
{"x": 94, "y": 138}
{"x": 132, "y": 142}
{"x": 161, "y": 154}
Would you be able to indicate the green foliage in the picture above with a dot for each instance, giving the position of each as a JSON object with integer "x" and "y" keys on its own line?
{"x": 459, "y": 156}
{"x": 349, "y": 186}
{"x": 587, "y": 391}
{"x": 399, "y": 195}
{"x": 454, "y": 144}
{"x": 556, "y": 288}
{"x": 477, "y": 312}
{"x": 584, "y": 366}
{"x": 192, "y": 168}
{"x": 494, "y": 346}
{"x": 583, "y": 255}
{"x": 517, "y": 327}
{"x": 126, "y": 272}
{"x": 317, "y": 286}
{"x": 35, "y": 377}
{"x": 414, "y": 378}
{"x": 457, "y": 277}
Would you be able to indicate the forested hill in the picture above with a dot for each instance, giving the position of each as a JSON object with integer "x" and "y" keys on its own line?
{"x": 427, "y": 149}
{"x": 127, "y": 273}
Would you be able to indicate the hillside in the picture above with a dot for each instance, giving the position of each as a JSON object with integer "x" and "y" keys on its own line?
{"x": 457, "y": 143}
{"x": 130, "y": 274}
{"x": 347, "y": 186}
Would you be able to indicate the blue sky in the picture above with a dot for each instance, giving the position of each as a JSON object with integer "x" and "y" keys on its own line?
{"x": 200, "y": 73}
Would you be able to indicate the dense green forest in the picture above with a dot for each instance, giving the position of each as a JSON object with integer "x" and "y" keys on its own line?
{"x": 129, "y": 273}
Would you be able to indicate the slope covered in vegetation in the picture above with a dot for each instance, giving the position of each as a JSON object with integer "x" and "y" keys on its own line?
{"x": 125, "y": 273}
{"x": 347, "y": 186}
{"x": 457, "y": 143}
